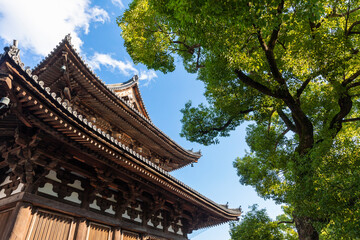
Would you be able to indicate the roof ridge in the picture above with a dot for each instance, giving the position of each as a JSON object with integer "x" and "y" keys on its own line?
{"x": 67, "y": 39}
{"x": 132, "y": 81}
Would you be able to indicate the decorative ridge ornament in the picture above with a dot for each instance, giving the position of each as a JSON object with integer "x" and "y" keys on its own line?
{"x": 14, "y": 53}
{"x": 118, "y": 86}
{"x": 68, "y": 38}
{"x": 135, "y": 78}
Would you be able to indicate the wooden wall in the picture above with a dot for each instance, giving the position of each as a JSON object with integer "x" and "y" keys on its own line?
{"x": 49, "y": 225}
{"x": 4, "y": 220}
{"x": 130, "y": 236}
{"x": 46, "y": 225}
{"x": 98, "y": 232}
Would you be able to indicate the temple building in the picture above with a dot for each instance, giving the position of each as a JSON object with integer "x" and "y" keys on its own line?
{"x": 81, "y": 159}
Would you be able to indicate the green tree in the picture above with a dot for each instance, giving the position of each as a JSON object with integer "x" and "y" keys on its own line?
{"x": 291, "y": 68}
{"x": 256, "y": 224}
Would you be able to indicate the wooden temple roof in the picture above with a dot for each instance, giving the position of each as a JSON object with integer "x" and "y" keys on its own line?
{"x": 130, "y": 118}
{"x": 33, "y": 90}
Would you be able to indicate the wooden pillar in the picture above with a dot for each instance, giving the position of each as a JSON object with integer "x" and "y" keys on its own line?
{"x": 22, "y": 219}
{"x": 117, "y": 233}
{"x": 81, "y": 229}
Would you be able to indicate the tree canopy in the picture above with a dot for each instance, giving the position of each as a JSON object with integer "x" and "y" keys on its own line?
{"x": 256, "y": 224}
{"x": 289, "y": 67}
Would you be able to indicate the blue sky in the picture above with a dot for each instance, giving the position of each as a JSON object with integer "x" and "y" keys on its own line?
{"x": 39, "y": 25}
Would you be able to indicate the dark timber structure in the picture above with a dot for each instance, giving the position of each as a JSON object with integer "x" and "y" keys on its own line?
{"x": 82, "y": 160}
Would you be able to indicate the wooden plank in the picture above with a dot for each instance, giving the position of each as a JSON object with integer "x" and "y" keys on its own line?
{"x": 21, "y": 222}
{"x": 4, "y": 219}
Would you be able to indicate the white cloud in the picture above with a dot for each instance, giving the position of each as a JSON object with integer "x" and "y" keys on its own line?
{"x": 147, "y": 76}
{"x": 40, "y": 24}
{"x": 118, "y": 3}
{"x": 126, "y": 68}
{"x": 106, "y": 60}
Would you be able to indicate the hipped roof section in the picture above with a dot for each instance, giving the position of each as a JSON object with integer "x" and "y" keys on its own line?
{"x": 132, "y": 84}
{"x": 142, "y": 129}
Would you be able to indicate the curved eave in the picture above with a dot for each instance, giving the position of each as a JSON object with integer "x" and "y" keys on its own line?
{"x": 134, "y": 160}
{"x": 122, "y": 86}
{"x": 141, "y": 102}
{"x": 65, "y": 44}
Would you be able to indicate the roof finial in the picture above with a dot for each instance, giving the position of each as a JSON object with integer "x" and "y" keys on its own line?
{"x": 14, "y": 53}
{"x": 135, "y": 77}
{"x": 68, "y": 37}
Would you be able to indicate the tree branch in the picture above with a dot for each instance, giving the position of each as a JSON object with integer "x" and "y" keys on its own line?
{"x": 223, "y": 127}
{"x": 353, "y": 85}
{"x": 258, "y": 86}
{"x": 269, "y": 48}
{"x": 304, "y": 126}
{"x": 351, "y": 120}
{"x": 275, "y": 32}
{"x": 281, "y": 222}
{"x": 281, "y": 135}
{"x": 270, "y": 55}
{"x": 347, "y": 19}
{"x": 190, "y": 49}
{"x": 334, "y": 14}
{"x": 286, "y": 120}
{"x": 261, "y": 39}
{"x": 302, "y": 88}
{"x": 269, "y": 125}
{"x": 345, "y": 105}
{"x": 348, "y": 32}
{"x": 273, "y": 67}
{"x": 282, "y": 44}
{"x": 198, "y": 59}
{"x": 351, "y": 78}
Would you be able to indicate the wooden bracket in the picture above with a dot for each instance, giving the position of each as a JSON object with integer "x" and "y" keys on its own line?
{"x": 6, "y": 81}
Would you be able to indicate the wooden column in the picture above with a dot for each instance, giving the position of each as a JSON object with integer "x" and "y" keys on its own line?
{"x": 81, "y": 229}
{"x": 117, "y": 233}
{"x": 22, "y": 219}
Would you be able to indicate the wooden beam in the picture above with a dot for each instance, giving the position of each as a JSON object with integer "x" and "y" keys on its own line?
{"x": 3, "y": 164}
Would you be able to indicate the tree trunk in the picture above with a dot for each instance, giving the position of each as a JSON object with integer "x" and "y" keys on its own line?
{"x": 305, "y": 229}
